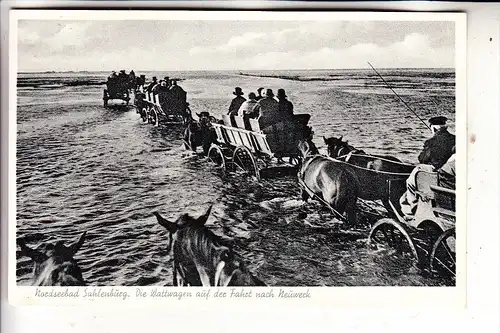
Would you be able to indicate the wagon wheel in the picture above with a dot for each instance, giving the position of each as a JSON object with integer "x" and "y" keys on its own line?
{"x": 216, "y": 155}
{"x": 442, "y": 259}
{"x": 144, "y": 114}
{"x": 244, "y": 160}
{"x": 391, "y": 233}
{"x": 153, "y": 116}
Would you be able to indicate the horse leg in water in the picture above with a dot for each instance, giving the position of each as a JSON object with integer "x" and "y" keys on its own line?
{"x": 304, "y": 195}
{"x": 340, "y": 193}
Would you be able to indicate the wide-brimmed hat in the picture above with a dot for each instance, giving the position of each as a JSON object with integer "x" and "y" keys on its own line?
{"x": 281, "y": 93}
{"x": 122, "y": 71}
{"x": 166, "y": 78}
{"x": 237, "y": 91}
{"x": 439, "y": 120}
{"x": 154, "y": 78}
{"x": 260, "y": 89}
{"x": 269, "y": 93}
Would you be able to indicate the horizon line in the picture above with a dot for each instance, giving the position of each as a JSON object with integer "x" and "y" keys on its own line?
{"x": 226, "y": 70}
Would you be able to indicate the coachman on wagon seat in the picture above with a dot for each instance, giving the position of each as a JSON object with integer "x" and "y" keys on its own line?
{"x": 438, "y": 156}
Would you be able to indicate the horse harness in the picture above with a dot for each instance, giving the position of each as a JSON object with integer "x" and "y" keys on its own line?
{"x": 310, "y": 192}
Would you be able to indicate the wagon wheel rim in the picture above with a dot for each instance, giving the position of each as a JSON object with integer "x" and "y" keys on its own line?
{"x": 394, "y": 234}
{"x": 216, "y": 156}
{"x": 443, "y": 258}
{"x": 245, "y": 161}
{"x": 144, "y": 114}
{"x": 153, "y": 117}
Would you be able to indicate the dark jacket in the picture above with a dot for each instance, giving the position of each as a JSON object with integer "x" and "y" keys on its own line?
{"x": 438, "y": 149}
{"x": 235, "y": 105}
{"x": 285, "y": 107}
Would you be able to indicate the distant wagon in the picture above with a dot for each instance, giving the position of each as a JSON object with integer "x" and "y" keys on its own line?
{"x": 116, "y": 89}
{"x": 162, "y": 107}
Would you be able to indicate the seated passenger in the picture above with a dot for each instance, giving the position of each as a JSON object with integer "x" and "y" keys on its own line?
{"x": 285, "y": 106}
{"x": 259, "y": 94}
{"x": 267, "y": 110}
{"x": 152, "y": 84}
{"x": 162, "y": 88}
{"x": 156, "y": 88}
{"x": 247, "y": 107}
{"x": 236, "y": 102}
{"x": 437, "y": 152}
{"x": 446, "y": 175}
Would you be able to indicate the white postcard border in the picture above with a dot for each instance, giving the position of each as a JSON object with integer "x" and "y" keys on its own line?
{"x": 345, "y": 297}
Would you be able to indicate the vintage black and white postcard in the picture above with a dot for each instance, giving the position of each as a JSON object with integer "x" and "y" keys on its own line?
{"x": 283, "y": 158}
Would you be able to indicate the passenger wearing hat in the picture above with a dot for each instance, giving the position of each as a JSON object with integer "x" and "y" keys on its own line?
{"x": 152, "y": 84}
{"x": 247, "y": 107}
{"x": 179, "y": 97}
{"x": 167, "y": 80}
{"x": 285, "y": 106}
{"x": 439, "y": 148}
{"x": 236, "y": 102}
{"x": 435, "y": 157}
{"x": 259, "y": 94}
{"x": 267, "y": 110}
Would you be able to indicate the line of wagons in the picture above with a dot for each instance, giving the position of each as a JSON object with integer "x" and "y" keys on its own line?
{"x": 241, "y": 145}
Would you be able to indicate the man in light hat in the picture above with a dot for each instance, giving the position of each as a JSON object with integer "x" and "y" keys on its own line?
{"x": 436, "y": 155}
{"x": 267, "y": 110}
{"x": 236, "y": 102}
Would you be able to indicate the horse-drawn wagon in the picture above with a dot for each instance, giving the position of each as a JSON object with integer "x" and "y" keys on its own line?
{"x": 428, "y": 235}
{"x": 116, "y": 90}
{"x": 242, "y": 145}
{"x": 161, "y": 107}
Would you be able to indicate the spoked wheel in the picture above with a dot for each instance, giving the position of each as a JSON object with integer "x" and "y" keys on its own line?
{"x": 144, "y": 114}
{"x": 216, "y": 156}
{"x": 153, "y": 116}
{"x": 244, "y": 160}
{"x": 388, "y": 232}
{"x": 442, "y": 258}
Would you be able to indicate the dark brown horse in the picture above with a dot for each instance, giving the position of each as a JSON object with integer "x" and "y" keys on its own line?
{"x": 201, "y": 258}
{"x": 331, "y": 181}
{"x": 373, "y": 172}
{"x": 200, "y": 133}
{"x": 339, "y": 149}
{"x": 55, "y": 265}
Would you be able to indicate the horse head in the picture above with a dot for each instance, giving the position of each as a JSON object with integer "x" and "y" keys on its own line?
{"x": 307, "y": 148}
{"x": 55, "y": 265}
{"x": 194, "y": 245}
{"x": 336, "y": 147}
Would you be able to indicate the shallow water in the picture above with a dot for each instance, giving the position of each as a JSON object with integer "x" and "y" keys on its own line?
{"x": 81, "y": 167}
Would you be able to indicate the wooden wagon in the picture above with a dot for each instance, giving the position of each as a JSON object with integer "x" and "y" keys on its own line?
{"x": 242, "y": 145}
{"x": 116, "y": 90}
{"x": 161, "y": 108}
{"x": 429, "y": 234}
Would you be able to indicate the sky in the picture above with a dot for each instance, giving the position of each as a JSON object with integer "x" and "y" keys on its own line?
{"x": 49, "y": 45}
